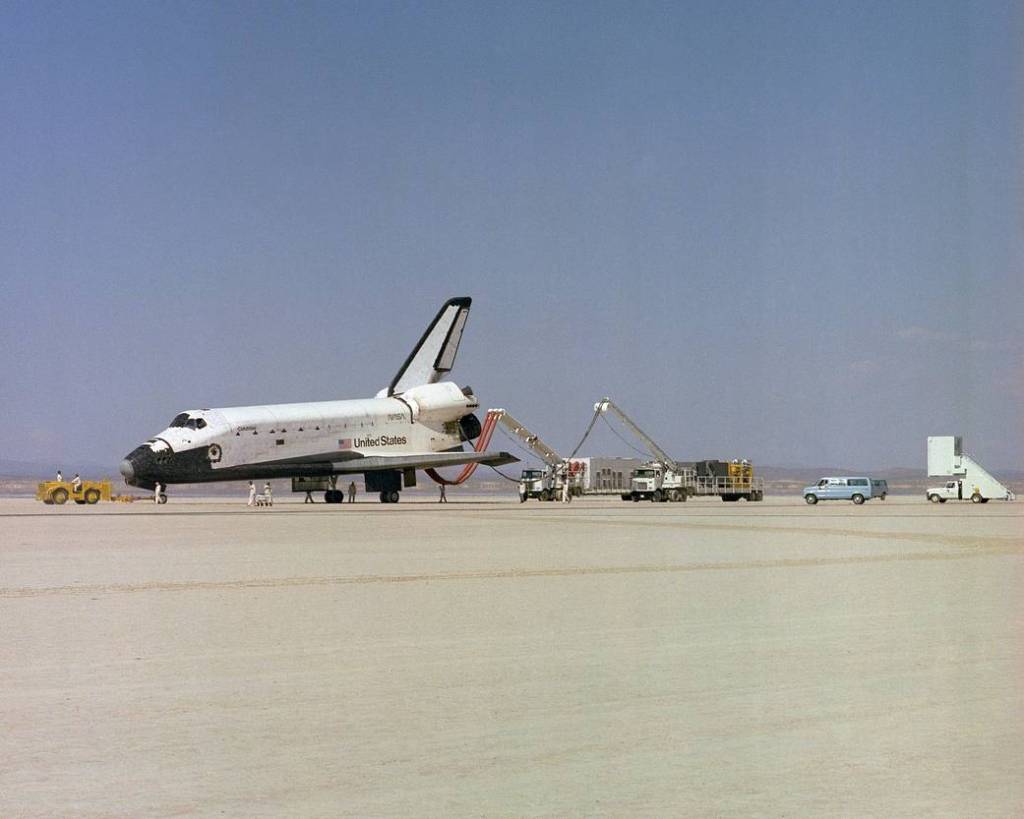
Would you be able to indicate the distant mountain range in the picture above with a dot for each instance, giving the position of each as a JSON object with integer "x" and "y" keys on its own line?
{"x": 22, "y": 471}
{"x": 32, "y": 469}
{"x": 39, "y": 471}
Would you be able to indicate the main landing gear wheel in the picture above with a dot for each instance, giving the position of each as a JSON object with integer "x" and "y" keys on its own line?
{"x": 389, "y": 497}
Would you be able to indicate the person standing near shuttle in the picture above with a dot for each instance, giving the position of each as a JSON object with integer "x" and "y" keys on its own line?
{"x": 252, "y": 494}
{"x": 352, "y": 492}
{"x": 417, "y": 422}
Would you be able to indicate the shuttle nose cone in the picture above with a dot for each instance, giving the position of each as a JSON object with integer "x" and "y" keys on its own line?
{"x": 128, "y": 470}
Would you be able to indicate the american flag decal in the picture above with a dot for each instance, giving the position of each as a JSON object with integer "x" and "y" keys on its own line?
{"x": 344, "y": 443}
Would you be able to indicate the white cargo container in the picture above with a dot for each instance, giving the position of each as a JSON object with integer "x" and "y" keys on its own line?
{"x": 606, "y": 476}
{"x": 971, "y": 482}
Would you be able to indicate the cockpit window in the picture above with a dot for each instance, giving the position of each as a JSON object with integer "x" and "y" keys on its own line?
{"x": 183, "y": 420}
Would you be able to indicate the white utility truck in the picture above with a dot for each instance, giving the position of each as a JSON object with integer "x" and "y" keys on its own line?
{"x": 967, "y": 479}
{"x": 659, "y": 482}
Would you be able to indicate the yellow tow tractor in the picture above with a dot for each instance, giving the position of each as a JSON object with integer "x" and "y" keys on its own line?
{"x": 60, "y": 492}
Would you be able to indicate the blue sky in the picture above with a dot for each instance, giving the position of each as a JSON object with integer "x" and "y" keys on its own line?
{"x": 786, "y": 231}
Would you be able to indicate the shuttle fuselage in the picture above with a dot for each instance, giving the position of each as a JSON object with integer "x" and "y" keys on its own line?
{"x": 417, "y": 422}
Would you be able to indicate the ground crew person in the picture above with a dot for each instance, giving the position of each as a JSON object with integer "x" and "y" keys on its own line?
{"x": 443, "y": 497}
{"x": 352, "y": 492}
{"x": 268, "y": 494}
{"x": 60, "y": 476}
{"x": 156, "y": 492}
{"x": 76, "y": 483}
{"x": 309, "y": 496}
{"x": 252, "y": 494}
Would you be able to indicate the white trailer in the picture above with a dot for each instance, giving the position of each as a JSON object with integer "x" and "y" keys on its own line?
{"x": 968, "y": 480}
{"x": 605, "y": 475}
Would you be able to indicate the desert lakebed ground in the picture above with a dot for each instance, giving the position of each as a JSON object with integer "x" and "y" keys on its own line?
{"x": 492, "y": 658}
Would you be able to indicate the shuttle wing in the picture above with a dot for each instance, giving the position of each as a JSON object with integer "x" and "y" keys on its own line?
{"x": 425, "y": 460}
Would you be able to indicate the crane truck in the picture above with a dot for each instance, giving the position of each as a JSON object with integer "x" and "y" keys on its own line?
{"x": 658, "y": 480}
{"x": 968, "y": 480}
{"x": 545, "y": 484}
{"x": 665, "y": 479}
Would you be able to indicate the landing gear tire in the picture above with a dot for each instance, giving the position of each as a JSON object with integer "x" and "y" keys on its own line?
{"x": 59, "y": 496}
{"x": 811, "y": 499}
{"x": 976, "y": 498}
{"x": 858, "y": 499}
{"x": 162, "y": 499}
{"x": 393, "y": 496}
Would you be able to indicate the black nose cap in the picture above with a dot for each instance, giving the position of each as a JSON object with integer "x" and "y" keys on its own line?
{"x": 127, "y": 470}
{"x": 137, "y": 465}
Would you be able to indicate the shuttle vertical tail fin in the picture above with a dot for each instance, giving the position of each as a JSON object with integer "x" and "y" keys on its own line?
{"x": 434, "y": 355}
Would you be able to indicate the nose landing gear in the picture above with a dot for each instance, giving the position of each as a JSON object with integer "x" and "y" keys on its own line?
{"x": 389, "y": 496}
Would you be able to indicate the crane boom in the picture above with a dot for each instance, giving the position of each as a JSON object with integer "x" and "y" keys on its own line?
{"x": 530, "y": 439}
{"x": 606, "y": 404}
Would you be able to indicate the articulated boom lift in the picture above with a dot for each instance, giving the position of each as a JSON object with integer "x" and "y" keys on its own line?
{"x": 544, "y": 484}
{"x": 663, "y": 479}
{"x": 659, "y": 454}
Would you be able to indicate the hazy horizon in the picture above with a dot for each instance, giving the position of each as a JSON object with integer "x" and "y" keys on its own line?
{"x": 790, "y": 233}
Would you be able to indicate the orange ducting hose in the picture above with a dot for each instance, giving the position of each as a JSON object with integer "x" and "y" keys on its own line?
{"x": 490, "y": 422}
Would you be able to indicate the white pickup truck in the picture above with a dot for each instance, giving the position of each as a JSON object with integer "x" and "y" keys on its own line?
{"x": 966, "y": 480}
{"x": 966, "y": 490}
